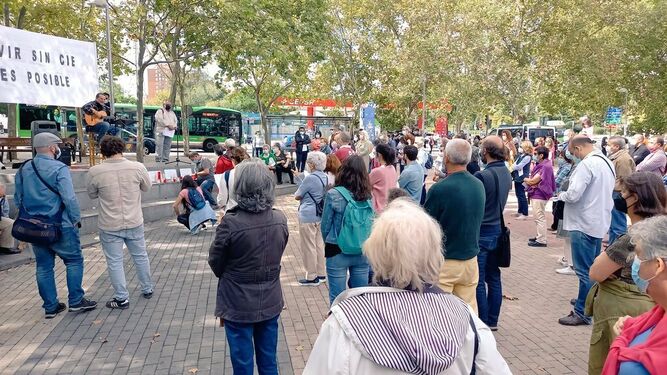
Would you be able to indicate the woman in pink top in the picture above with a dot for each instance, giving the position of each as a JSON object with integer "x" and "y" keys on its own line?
{"x": 384, "y": 177}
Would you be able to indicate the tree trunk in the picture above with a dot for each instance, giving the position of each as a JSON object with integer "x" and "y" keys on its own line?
{"x": 175, "y": 67}
{"x": 185, "y": 127}
{"x": 140, "y": 111}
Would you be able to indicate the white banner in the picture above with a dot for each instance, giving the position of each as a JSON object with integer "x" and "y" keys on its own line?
{"x": 42, "y": 69}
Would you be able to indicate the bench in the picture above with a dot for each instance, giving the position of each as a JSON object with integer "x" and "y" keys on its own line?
{"x": 15, "y": 144}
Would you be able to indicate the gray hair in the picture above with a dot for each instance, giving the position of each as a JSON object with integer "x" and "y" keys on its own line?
{"x": 458, "y": 151}
{"x": 618, "y": 141}
{"x": 219, "y": 149}
{"x": 229, "y": 142}
{"x": 254, "y": 186}
{"x": 344, "y": 138}
{"x": 651, "y": 235}
{"x": 319, "y": 159}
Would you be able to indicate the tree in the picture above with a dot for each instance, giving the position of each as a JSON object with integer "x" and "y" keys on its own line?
{"x": 269, "y": 46}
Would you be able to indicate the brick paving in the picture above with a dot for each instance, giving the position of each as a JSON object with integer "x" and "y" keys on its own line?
{"x": 176, "y": 333}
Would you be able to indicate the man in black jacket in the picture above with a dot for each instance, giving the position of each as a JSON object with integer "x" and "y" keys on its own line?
{"x": 302, "y": 141}
{"x": 639, "y": 151}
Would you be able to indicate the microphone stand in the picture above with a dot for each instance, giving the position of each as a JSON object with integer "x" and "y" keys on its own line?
{"x": 178, "y": 159}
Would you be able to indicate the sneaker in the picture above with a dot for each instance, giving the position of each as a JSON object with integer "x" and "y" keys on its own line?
{"x": 148, "y": 295}
{"x": 9, "y": 250}
{"x": 573, "y": 320}
{"x": 118, "y": 304}
{"x": 322, "y": 278}
{"x": 314, "y": 282}
{"x": 555, "y": 231}
{"x": 533, "y": 243}
{"x": 84, "y": 305}
{"x": 522, "y": 217}
{"x": 52, "y": 314}
{"x": 563, "y": 262}
{"x": 566, "y": 271}
{"x": 196, "y": 230}
{"x": 493, "y": 328}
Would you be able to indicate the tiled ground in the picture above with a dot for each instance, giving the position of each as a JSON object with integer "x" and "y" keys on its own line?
{"x": 176, "y": 333}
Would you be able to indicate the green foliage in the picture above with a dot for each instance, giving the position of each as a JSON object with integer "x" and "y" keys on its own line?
{"x": 242, "y": 99}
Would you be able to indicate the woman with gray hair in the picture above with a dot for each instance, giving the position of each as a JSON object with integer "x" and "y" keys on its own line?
{"x": 245, "y": 256}
{"x": 311, "y": 194}
{"x": 641, "y": 347}
{"x": 378, "y": 329}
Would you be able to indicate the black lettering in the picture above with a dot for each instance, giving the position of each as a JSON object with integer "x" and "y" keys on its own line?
{"x": 62, "y": 59}
{"x": 34, "y": 55}
{"x": 3, "y": 74}
{"x": 46, "y": 79}
{"x": 72, "y": 57}
{"x": 57, "y": 80}
{"x": 67, "y": 81}
{"x": 29, "y": 77}
{"x": 17, "y": 53}
{"x": 47, "y": 57}
{"x": 13, "y": 74}
{"x": 38, "y": 78}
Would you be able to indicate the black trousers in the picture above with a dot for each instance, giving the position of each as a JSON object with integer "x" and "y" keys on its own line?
{"x": 279, "y": 174}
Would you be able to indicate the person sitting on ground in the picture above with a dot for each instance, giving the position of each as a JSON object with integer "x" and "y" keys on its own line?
{"x": 641, "y": 347}
{"x": 332, "y": 168}
{"x": 373, "y": 330}
{"x": 224, "y": 162}
{"x": 615, "y": 294}
{"x": 412, "y": 177}
{"x": 384, "y": 177}
{"x": 541, "y": 187}
{"x": 310, "y": 195}
{"x": 204, "y": 176}
{"x": 245, "y": 257}
{"x": 196, "y": 211}
{"x": 7, "y": 242}
{"x": 282, "y": 165}
{"x": 226, "y": 197}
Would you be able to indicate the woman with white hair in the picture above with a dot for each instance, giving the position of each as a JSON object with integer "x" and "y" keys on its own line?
{"x": 364, "y": 147}
{"x": 641, "y": 347}
{"x": 378, "y": 329}
{"x": 311, "y": 195}
{"x": 245, "y": 257}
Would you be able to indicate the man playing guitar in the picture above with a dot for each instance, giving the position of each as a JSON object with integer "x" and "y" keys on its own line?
{"x": 95, "y": 114}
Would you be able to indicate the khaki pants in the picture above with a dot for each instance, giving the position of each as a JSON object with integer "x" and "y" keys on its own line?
{"x": 460, "y": 278}
{"x": 540, "y": 219}
{"x": 6, "y": 239}
{"x": 312, "y": 250}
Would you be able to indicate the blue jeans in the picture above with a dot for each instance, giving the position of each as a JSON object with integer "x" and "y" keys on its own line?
{"x": 337, "y": 267}
{"x": 112, "y": 245}
{"x": 69, "y": 250}
{"x": 619, "y": 223}
{"x": 207, "y": 188}
{"x": 489, "y": 288}
{"x": 100, "y": 129}
{"x": 584, "y": 250}
{"x": 246, "y": 339}
{"x": 520, "y": 191}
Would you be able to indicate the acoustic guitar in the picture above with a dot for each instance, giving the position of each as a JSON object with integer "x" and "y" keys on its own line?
{"x": 95, "y": 118}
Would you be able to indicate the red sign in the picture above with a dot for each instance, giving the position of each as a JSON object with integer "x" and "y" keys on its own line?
{"x": 441, "y": 126}
{"x": 300, "y": 102}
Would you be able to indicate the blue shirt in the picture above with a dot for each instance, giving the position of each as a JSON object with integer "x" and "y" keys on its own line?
{"x": 37, "y": 199}
{"x": 412, "y": 180}
{"x": 311, "y": 191}
{"x": 635, "y": 368}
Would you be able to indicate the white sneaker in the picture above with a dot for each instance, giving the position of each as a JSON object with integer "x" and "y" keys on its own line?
{"x": 566, "y": 271}
{"x": 563, "y": 262}
{"x": 522, "y": 217}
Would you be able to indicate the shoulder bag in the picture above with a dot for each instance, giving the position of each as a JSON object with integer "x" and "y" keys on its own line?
{"x": 38, "y": 229}
{"x": 503, "y": 247}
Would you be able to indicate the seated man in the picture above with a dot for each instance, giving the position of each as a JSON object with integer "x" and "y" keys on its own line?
{"x": 205, "y": 176}
{"x": 7, "y": 242}
{"x": 95, "y": 113}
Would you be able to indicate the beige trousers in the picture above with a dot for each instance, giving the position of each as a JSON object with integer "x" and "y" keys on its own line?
{"x": 6, "y": 239}
{"x": 540, "y": 219}
{"x": 460, "y": 277}
{"x": 312, "y": 250}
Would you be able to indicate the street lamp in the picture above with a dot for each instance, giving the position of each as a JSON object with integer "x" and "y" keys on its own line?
{"x": 623, "y": 90}
{"x": 105, "y": 4}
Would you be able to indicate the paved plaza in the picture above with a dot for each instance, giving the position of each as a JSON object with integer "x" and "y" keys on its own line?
{"x": 176, "y": 333}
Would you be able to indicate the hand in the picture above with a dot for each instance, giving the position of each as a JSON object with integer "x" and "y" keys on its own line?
{"x": 620, "y": 323}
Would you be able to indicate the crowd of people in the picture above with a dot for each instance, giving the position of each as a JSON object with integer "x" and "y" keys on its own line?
{"x": 357, "y": 200}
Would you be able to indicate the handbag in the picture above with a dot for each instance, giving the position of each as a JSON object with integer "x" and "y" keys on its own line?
{"x": 38, "y": 229}
{"x": 319, "y": 206}
{"x": 503, "y": 247}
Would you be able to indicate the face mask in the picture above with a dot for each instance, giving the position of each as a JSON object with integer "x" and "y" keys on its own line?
{"x": 572, "y": 157}
{"x": 641, "y": 283}
{"x": 535, "y": 160}
{"x": 620, "y": 204}
{"x": 167, "y": 107}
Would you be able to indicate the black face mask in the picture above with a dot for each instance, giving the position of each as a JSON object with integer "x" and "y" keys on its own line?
{"x": 167, "y": 107}
{"x": 620, "y": 204}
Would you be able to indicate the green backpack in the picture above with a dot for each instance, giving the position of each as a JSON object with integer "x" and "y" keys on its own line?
{"x": 357, "y": 222}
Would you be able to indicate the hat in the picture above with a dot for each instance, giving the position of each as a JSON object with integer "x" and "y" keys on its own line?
{"x": 45, "y": 140}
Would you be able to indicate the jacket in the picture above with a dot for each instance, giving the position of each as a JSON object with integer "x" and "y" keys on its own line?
{"x": 164, "y": 119}
{"x": 37, "y": 199}
{"x": 491, "y": 211}
{"x": 332, "y": 216}
{"x": 655, "y": 162}
{"x": 639, "y": 153}
{"x": 300, "y": 141}
{"x": 245, "y": 257}
{"x": 624, "y": 166}
{"x": 342, "y": 347}
{"x": 118, "y": 184}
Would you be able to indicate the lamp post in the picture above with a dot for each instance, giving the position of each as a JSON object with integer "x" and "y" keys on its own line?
{"x": 105, "y": 4}
{"x": 623, "y": 90}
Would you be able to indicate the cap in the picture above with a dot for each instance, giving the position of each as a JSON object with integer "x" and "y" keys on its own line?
{"x": 45, "y": 140}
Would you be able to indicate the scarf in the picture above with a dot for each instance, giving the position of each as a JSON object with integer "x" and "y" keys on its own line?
{"x": 652, "y": 353}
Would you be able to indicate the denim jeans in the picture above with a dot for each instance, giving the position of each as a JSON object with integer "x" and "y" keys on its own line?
{"x": 584, "y": 250}
{"x": 619, "y": 222}
{"x": 207, "y": 188}
{"x": 489, "y": 288}
{"x": 246, "y": 339}
{"x": 112, "y": 245}
{"x": 100, "y": 129}
{"x": 337, "y": 267}
{"x": 69, "y": 250}
{"x": 520, "y": 191}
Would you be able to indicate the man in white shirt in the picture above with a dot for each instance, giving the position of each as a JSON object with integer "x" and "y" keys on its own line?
{"x": 165, "y": 128}
{"x": 587, "y": 215}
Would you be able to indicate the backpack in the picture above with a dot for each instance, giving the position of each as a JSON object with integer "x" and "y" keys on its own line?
{"x": 357, "y": 222}
{"x": 196, "y": 199}
{"x": 429, "y": 162}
